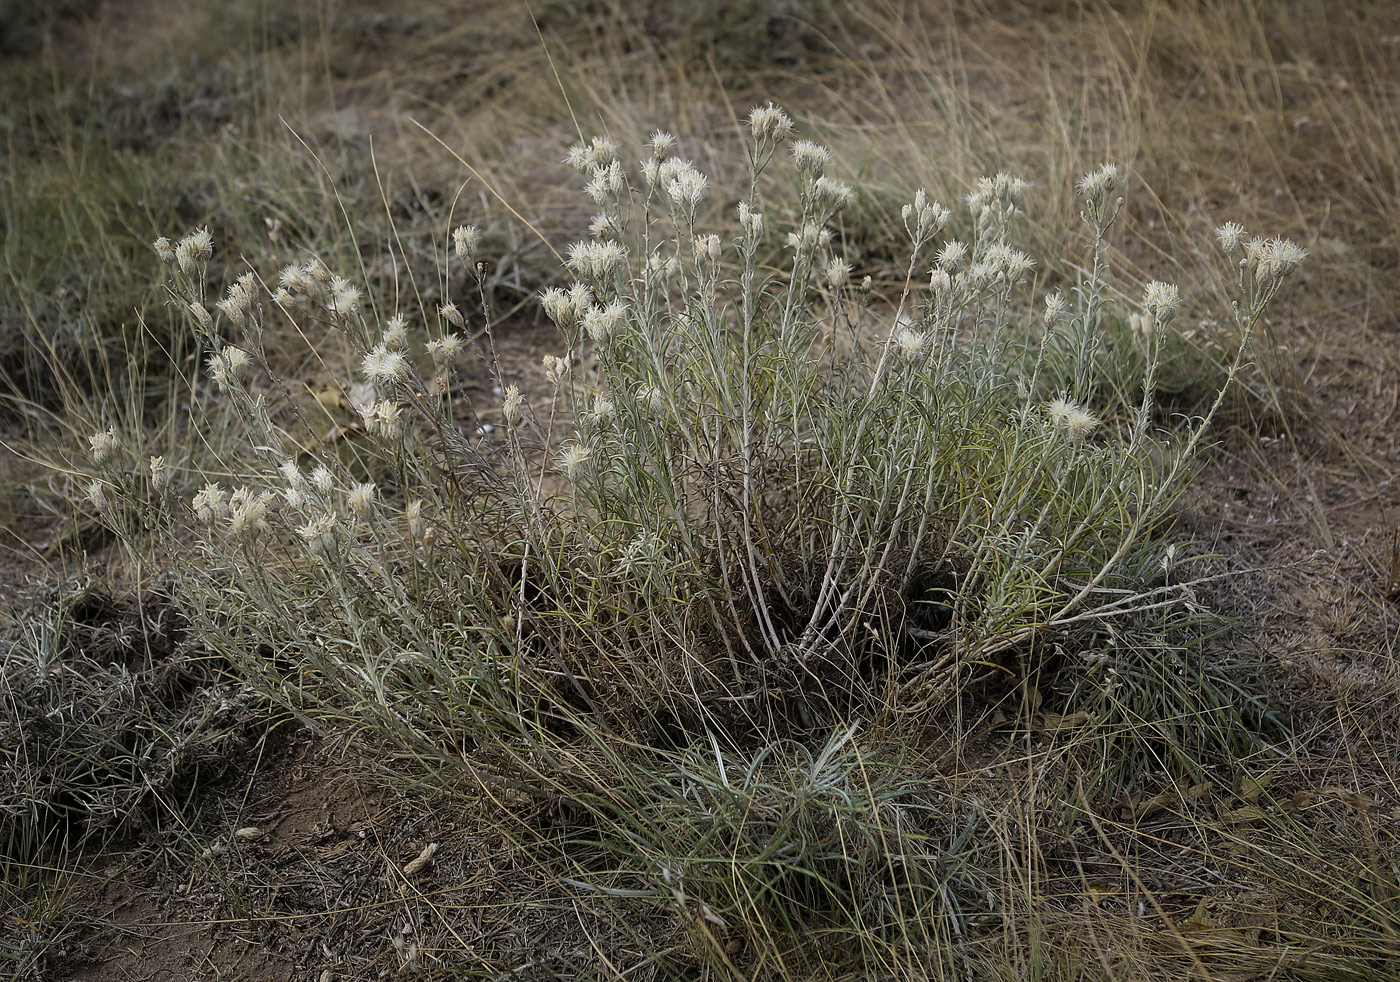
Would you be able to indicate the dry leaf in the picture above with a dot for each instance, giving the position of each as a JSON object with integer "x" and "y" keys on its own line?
{"x": 423, "y": 862}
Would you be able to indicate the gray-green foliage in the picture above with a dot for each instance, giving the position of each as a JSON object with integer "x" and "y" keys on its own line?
{"x": 752, "y": 504}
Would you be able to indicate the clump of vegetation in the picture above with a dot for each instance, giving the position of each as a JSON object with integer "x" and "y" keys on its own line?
{"x": 762, "y": 524}
{"x": 108, "y": 709}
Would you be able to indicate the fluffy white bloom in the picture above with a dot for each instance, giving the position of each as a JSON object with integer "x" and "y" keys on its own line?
{"x": 1278, "y": 258}
{"x": 322, "y": 479}
{"x": 603, "y": 411}
{"x": 228, "y": 365}
{"x": 360, "y": 499}
{"x": 104, "y": 444}
{"x": 810, "y": 158}
{"x": 837, "y": 272}
{"x": 910, "y": 343}
{"x": 345, "y": 297}
{"x": 444, "y": 349}
{"x": 663, "y": 144}
{"x": 210, "y": 503}
{"x": 383, "y": 365}
{"x": 605, "y": 226}
{"x": 834, "y": 194}
{"x": 466, "y": 239}
{"x": 319, "y": 535}
{"x": 95, "y": 492}
{"x": 164, "y": 250}
{"x": 382, "y": 419}
{"x": 1055, "y": 308}
{"x": 1230, "y": 235}
{"x": 448, "y": 311}
{"x": 596, "y": 260}
{"x": 687, "y": 188}
{"x": 248, "y": 513}
{"x": 1074, "y": 421}
{"x": 1002, "y": 191}
{"x": 806, "y": 238}
{"x": 769, "y": 124}
{"x": 559, "y": 307}
{"x": 574, "y": 457}
{"x": 160, "y": 475}
{"x": 1161, "y": 300}
{"x": 606, "y": 183}
{"x": 1097, "y": 185}
{"x": 240, "y": 299}
{"x": 602, "y": 323}
{"x": 194, "y": 250}
{"x": 513, "y": 406}
{"x": 395, "y": 336}
{"x": 951, "y": 256}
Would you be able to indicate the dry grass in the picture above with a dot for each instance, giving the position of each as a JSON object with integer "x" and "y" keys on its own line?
{"x": 360, "y": 132}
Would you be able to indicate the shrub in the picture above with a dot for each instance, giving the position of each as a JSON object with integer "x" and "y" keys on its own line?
{"x": 753, "y": 506}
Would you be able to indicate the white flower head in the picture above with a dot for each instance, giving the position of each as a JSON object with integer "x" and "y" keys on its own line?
{"x": 444, "y": 350}
{"x": 686, "y": 189}
{"x": 605, "y": 226}
{"x": 599, "y": 153}
{"x": 952, "y": 255}
{"x": 1230, "y": 234}
{"x": 395, "y": 336}
{"x": 322, "y": 479}
{"x": 360, "y": 500}
{"x": 194, "y": 250}
{"x": 834, "y": 194}
{"x": 769, "y": 124}
{"x": 345, "y": 297}
{"x": 95, "y": 493}
{"x": 160, "y": 475}
{"x": 1161, "y": 301}
{"x": 228, "y": 365}
{"x": 448, "y": 311}
{"x": 596, "y": 260}
{"x": 513, "y": 408}
{"x": 837, "y": 273}
{"x": 574, "y": 458}
{"x": 104, "y": 445}
{"x": 383, "y": 365}
{"x": 319, "y": 534}
{"x": 1097, "y": 185}
{"x": 663, "y": 144}
{"x": 210, "y": 503}
{"x": 1278, "y": 257}
{"x": 1056, "y": 307}
{"x": 1074, "y": 421}
{"x": 248, "y": 513}
{"x": 466, "y": 240}
{"x": 603, "y": 323}
{"x": 910, "y": 342}
{"x": 810, "y": 158}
